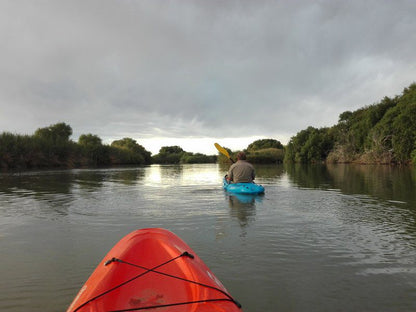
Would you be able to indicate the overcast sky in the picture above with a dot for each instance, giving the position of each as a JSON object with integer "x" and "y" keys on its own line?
{"x": 195, "y": 72}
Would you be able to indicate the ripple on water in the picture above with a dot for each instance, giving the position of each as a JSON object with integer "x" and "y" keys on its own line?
{"x": 293, "y": 249}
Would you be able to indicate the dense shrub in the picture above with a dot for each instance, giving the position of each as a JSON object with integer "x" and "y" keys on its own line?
{"x": 197, "y": 158}
{"x": 266, "y": 156}
{"x": 379, "y": 133}
{"x": 168, "y": 155}
{"x": 264, "y": 144}
{"x": 128, "y": 151}
{"x": 51, "y": 147}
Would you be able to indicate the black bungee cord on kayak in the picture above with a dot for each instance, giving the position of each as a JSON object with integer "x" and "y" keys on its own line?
{"x": 174, "y": 304}
{"x": 132, "y": 279}
{"x": 184, "y": 254}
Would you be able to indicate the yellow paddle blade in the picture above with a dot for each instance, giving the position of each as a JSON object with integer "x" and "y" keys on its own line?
{"x": 222, "y": 150}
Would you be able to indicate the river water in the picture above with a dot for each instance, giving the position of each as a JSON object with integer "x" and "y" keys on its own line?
{"x": 322, "y": 238}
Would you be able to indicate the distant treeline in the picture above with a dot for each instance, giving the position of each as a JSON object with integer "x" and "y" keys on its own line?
{"x": 51, "y": 147}
{"x": 176, "y": 155}
{"x": 383, "y": 133}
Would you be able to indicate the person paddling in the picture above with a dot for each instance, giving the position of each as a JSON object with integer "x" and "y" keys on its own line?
{"x": 241, "y": 171}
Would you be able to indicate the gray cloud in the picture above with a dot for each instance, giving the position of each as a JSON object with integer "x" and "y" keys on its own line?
{"x": 199, "y": 68}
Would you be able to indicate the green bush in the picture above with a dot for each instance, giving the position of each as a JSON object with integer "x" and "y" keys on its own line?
{"x": 51, "y": 147}
{"x": 168, "y": 155}
{"x": 264, "y": 144}
{"x": 414, "y": 157}
{"x": 198, "y": 158}
{"x": 310, "y": 145}
{"x": 380, "y": 133}
{"x": 266, "y": 156}
{"x": 128, "y": 151}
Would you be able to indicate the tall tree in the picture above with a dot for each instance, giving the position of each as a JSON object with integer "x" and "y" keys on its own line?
{"x": 57, "y": 132}
{"x": 93, "y": 149}
{"x": 134, "y": 151}
{"x": 263, "y": 144}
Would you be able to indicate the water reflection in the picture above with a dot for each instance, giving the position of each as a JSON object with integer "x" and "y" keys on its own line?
{"x": 269, "y": 173}
{"x": 127, "y": 176}
{"x": 40, "y": 183}
{"x": 353, "y": 225}
{"x": 170, "y": 172}
{"x": 392, "y": 187}
{"x": 36, "y": 184}
{"x": 385, "y": 182}
{"x": 51, "y": 193}
{"x": 87, "y": 180}
{"x": 243, "y": 207}
{"x": 309, "y": 176}
{"x": 41, "y": 193}
{"x": 163, "y": 175}
{"x": 174, "y": 175}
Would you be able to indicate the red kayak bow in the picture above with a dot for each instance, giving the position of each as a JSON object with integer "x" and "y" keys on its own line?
{"x": 153, "y": 269}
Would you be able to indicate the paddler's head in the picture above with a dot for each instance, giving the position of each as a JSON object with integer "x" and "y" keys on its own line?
{"x": 241, "y": 156}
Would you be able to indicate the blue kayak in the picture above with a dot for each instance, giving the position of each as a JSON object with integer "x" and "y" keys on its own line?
{"x": 243, "y": 188}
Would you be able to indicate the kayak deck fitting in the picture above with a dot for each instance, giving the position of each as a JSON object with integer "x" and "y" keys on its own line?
{"x": 153, "y": 269}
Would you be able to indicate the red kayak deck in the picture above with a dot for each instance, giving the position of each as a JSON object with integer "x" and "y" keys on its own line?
{"x": 153, "y": 269}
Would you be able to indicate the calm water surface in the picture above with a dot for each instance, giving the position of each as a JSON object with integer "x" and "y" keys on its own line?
{"x": 336, "y": 238}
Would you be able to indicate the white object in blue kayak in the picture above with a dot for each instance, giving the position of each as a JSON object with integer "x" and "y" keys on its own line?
{"x": 243, "y": 188}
